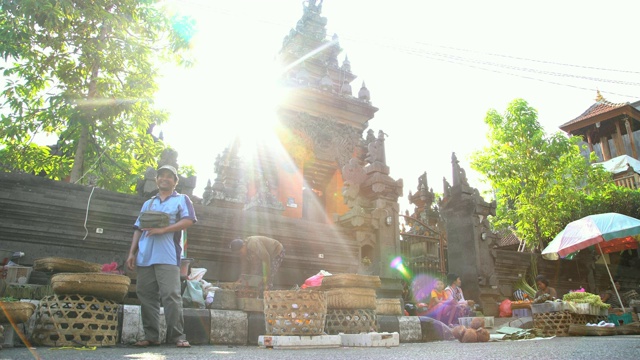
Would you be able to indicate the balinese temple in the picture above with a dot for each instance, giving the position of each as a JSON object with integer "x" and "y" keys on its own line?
{"x": 611, "y": 131}
{"x": 326, "y": 169}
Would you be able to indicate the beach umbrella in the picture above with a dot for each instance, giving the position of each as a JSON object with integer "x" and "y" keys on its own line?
{"x": 598, "y": 229}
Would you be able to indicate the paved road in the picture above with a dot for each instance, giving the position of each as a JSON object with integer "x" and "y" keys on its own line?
{"x": 584, "y": 348}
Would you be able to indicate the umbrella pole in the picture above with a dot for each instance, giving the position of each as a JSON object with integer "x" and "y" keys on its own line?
{"x": 611, "y": 277}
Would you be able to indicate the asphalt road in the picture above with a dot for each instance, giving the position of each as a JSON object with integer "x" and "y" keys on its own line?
{"x": 585, "y": 348}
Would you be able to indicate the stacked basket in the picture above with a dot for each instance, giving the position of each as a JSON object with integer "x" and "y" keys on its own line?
{"x": 84, "y": 309}
{"x": 351, "y": 303}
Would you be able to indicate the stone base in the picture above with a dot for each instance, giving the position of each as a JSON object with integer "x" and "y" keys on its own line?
{"x": 300, "y": 342}
{"x": 371, "y": 339}
{"x": 410, "y": 329}
{"x": 229, "y": 327}
{"x": 132, "y": 330}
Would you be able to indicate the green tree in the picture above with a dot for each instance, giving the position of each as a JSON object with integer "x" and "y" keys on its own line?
{"x": 85, "y": 71}
{"x": 541, "y": 182}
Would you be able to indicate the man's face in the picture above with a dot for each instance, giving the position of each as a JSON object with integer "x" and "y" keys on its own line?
{"x": 165, "y": 180}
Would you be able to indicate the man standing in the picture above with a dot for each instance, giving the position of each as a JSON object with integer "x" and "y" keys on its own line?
{"x": 156, "y": 253}
{"x": 263, "y": 252}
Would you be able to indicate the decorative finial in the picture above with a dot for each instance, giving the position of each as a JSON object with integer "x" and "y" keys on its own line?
{"x": 599, "y": 97}
{"x": 364, "y": 93}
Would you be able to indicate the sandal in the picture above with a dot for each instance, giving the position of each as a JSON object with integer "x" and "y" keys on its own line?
{"x": 183, "y": 344}
{"x": 146, "y": 343}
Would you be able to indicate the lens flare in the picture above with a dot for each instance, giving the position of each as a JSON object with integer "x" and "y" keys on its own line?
{"x": 421, "y": 287}
{"x": 398, "y": 265}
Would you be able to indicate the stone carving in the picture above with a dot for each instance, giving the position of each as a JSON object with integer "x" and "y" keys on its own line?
{"x": 376, "y": 153}
{"x": 169, "y": 157}
{"x": 459, "y": 175}
{"x": 264, "y": 199}
{"x": 330, "y": 140}
{"x": 353, "y": 175}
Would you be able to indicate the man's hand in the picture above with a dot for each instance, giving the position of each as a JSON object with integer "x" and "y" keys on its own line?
{"x": 131, "y": 262}
{"x": 155, "y": 231}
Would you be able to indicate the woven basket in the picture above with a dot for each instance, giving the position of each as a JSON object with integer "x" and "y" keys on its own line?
{"x": 295, "y": 312}
{"x": 583, "y": 330}
{"x": 351, "y": 281}
{"x": 389, "y": 307}
{"x": 109, "y": 286}
{"x": 15, "y": 312}
{"x": 57, "y": 265}
{"x": 553, "y": 323}
{"x": 350, "y": 321}
{"x": 583, "y": 319}
{"x": 351, "y": 298}
{"x": 72, "y": 320}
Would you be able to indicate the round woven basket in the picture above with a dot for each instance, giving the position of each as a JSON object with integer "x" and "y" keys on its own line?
{"x": 351, "y": 281}
{"x": 15, "y": 311}
{"x": 108, "y": 286}
{"x": 60, "y": 265}
{"x": 389, "y": 307}
{"x": 351, "y": 298}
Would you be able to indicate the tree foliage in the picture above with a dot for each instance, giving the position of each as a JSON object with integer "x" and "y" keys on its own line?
{"x": 85, "y": 72}
{"x": 541, "y": 182}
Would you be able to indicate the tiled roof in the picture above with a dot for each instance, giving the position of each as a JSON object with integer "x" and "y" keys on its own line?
{"x": 598, "y": 108}
{"x": 507, "y": 238}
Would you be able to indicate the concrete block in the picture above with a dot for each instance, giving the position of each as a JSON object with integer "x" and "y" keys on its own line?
{"x": 229, "y": 327}
{"x": 224, "y": 299}
{"x": 250, "y": 304}
{"x": 197, "y": 325}
{"x": 410, "y": 329}
{"x": 257, "y": 327}
{"x": 132, "y": 330}
{"x": 371, "y": 339}
{"x": 388, "y": 323}
{"x": 300, "y": 342}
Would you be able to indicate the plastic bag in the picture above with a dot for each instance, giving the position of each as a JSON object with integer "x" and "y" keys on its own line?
{"x": 193, "y": 296}
{"x": 505, "y": 308}
{"x": 315, "y": 280}
{"x": 197, "y": 274}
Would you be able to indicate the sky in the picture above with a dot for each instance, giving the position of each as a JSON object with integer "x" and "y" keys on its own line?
{"x": 434, "y": 69}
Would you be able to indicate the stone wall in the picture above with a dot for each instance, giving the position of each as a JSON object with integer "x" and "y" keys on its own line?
{"x": 47, "y": 218}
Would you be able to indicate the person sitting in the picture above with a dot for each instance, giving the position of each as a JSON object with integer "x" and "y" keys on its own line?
{"x": 610, "y": 297}
{"x": 457, "y": 305}
{"x": 544, "y": 289}
{"x": 437, "y": 301}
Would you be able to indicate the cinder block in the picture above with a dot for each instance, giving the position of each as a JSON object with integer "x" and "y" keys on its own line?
{"x": 257, "y": 327}
{"x": 250, "y": 304}
{"x": 224, "y": 299}
{"x": 197, "y": 325}
{"x": 371, "y": 339}
{"x": 300, "y": 342}
{"x": 132, "y": 330}
{"x": 388, "y": 323}
{"x": 228, "y": 327}
{"x": 410, "y": 329}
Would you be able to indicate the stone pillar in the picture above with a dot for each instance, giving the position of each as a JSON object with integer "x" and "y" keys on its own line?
{"x": 469, "y": 241}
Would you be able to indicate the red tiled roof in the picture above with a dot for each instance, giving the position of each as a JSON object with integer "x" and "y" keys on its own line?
{"x": 598, "y": 108}
{"x": 507, "y": 238}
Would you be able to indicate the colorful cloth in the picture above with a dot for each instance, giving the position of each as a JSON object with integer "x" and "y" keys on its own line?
{"x": 436, "y": 298}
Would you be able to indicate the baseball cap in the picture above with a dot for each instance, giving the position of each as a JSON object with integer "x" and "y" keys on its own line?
{"x": 170, "y": 168}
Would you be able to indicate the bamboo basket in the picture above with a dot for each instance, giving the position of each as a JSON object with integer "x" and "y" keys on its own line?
{"x": 389, "y": 307}
{"x": 351, "y": 321}
{"x": 15, "y": 312}
{"x": 553, "y": 323}
{"x": 351, "y": 298}
{"x": 351, "y": 281}
{"x": 108, "y": 286}
{"x": 72, "y": 320}
{"x": 295, "y": 312}
{"x": 64, "y": 265}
